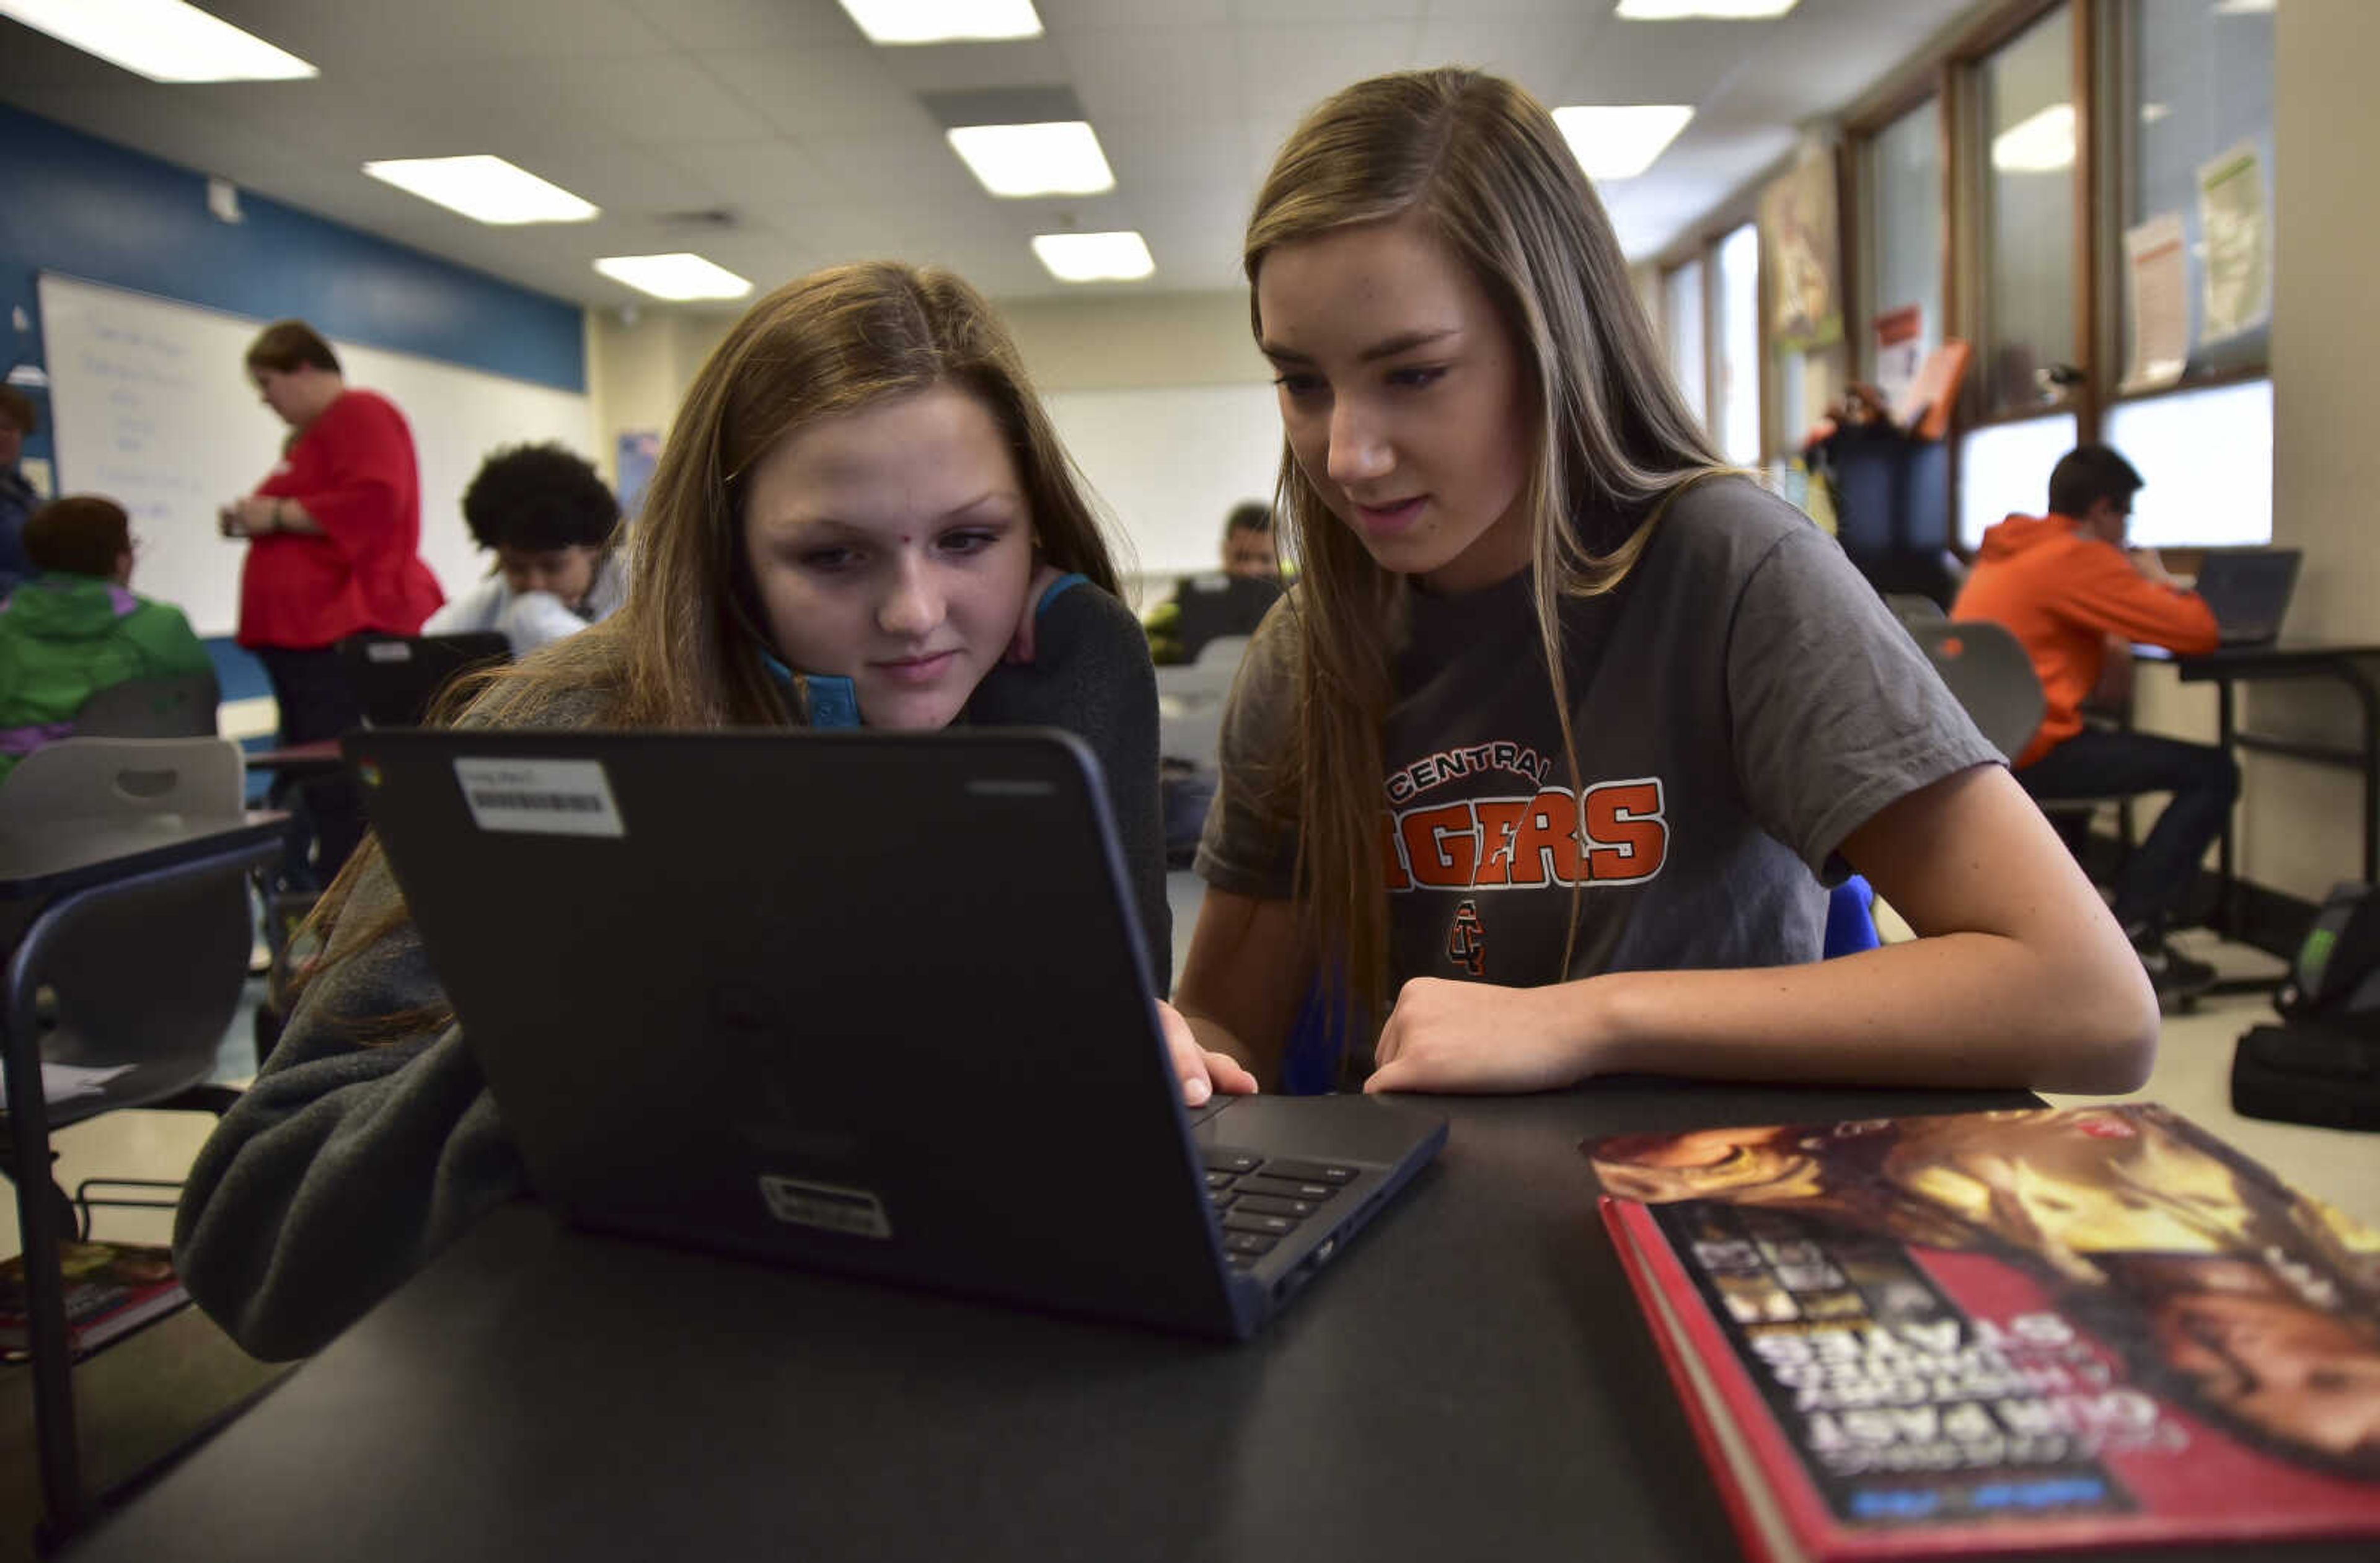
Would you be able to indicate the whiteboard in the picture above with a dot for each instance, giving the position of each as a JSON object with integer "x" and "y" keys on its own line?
{"x": 151, "y": 405}
{"x": 1172, "y": 462}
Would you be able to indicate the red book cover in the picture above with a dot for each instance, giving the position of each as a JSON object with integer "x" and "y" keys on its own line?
{"x": 2004, "y": 1332}
{"x": 110, "y": 1287}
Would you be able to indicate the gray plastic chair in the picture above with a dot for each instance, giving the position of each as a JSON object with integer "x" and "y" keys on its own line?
{"x": 181, "y": 706}
{"x": 1989, "y": 673}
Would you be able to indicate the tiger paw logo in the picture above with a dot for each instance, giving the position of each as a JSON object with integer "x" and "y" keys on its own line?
{"x": 1467, "y": 941}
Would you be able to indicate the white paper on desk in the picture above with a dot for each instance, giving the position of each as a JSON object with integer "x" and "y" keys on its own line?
{"x": 2158, "y": 302}
{"x": 64, "y": 1082}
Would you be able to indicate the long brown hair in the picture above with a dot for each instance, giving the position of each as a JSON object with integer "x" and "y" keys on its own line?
{"x": 1482, "y": 164}
{"x": 685, "y": 648}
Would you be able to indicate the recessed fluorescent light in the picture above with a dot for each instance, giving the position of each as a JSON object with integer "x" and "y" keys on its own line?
{"x": 2244, "y": 7}
{"x": 943, "y": 21}
{"x": 162, "y": 39}
{"x": 485, "y": 189}
{"x": 1619, "y": 142}
{"x": 1033, "y": 160}
{"x": 1081, "y": 258}
{"x": 1719, "y": 10}
{"x": 2042, "y": 144}
{"x": 2152, "y": 113}
{"x": 679, "y": 276}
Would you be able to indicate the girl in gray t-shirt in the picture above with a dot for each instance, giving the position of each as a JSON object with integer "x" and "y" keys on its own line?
{"x": 1548, "y": 758}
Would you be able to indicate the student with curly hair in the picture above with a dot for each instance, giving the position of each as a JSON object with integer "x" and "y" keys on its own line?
{"x": 553, "y": 526}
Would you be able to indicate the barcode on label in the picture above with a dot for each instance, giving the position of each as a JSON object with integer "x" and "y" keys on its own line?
{"x": 537, "y": 800}
{"x": 551, "y": 798}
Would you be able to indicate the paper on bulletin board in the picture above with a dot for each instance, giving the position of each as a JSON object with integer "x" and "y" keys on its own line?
{"x": 2157, "y": 300}
{"x": 2238, "y": 288}
{"x": 1900, "y": 350}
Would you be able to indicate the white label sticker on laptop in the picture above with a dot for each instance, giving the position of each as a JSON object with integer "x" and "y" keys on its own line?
{"x": 546, "y": 797}
{"x": 801, "y": 1203}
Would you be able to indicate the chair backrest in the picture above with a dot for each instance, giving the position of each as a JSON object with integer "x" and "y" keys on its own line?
{"x": 397, "y": 678}
{"x": 1190, "y": 699}
{"x": 1989, "y": 673}
{"x": 1220, "y": 606}
{"x": 180, "y": 707}
{"x": 115, "y": 781}
{"x": 1911, "y": 609}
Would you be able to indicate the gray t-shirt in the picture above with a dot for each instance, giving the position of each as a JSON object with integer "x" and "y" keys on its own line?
{"x": 1742, "y": 702}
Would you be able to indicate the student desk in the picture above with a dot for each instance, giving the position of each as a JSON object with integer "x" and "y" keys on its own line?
{"x": 1470, "y": 1381}
{"x": 2340, "y": 664}
{"x": 37, "y": 870}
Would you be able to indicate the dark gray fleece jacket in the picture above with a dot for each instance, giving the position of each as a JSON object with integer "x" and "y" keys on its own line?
{"x": 350, "y": 1163}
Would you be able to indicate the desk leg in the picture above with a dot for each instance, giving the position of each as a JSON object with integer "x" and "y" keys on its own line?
{"x": 37, "y": 1220}
{"x": 2226, "y": 897}
{"x": 2367, "y": 700}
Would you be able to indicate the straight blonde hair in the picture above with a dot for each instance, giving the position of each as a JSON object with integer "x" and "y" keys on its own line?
{"x": 1481, "y": 163}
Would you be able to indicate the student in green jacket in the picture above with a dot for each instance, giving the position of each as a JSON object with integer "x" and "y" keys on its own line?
{"x": 75, "y": 627}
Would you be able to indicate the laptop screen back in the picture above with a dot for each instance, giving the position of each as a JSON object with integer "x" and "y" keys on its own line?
{"x": 2249, "y": 591}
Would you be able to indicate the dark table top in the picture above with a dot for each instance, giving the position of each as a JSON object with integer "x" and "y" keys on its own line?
{"x": 1470, "y": 1381}
{"x": 48, "y": 860}
{"x": 2275, "y": 658}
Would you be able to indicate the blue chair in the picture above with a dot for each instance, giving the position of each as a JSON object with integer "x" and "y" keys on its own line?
{"x": 1850, "y": 919}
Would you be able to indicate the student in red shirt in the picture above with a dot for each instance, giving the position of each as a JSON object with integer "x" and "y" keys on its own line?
{"x": 2066, "y": 587}
{"x": 335, "y": 549}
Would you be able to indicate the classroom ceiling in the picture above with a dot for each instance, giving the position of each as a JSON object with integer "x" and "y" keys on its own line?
{"x": 770, "y": 136}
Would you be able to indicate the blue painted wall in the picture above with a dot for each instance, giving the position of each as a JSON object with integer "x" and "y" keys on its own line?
{"x": 71, "y": 203}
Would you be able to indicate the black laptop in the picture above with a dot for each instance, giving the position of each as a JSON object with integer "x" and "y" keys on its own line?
{"x": 874, "y": 1003}
{"x": 397, "y": 678}
{"x": 2248, "y": 591}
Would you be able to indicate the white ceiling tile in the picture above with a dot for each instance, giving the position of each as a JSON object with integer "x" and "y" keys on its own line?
{"x": 778, "y": 111}
{"x": 1064, "y": 18}
{"x": 839, "y": 91}
{"x": 1192, "y": 73}
{"x": 357, "y": 38}
{"x": 918, "y": 170}
{"x": 1355, "y": 13}
{"x": 1286, "y": 70}
{"x": 755, "y": 175}
{"x": 1537, "y": 55}
{"x": 959, "y": 67}
{"x": 697, "y": 25}
{"x": 1172, "y": 152}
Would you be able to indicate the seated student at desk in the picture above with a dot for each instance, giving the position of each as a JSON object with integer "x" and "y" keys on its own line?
{"x": 75, "y": 627}
{"x": 2064, "y": 586}
{"x": 1204, "y": 607}
{"x": 554, "y": 528}
{"x": 862, "y": 517}
{"x": 1547, "y": 753}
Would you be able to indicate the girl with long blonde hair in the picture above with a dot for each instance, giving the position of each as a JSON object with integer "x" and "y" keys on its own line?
{"x": 862, "y": 516}
{"x": 1542, "y": 766}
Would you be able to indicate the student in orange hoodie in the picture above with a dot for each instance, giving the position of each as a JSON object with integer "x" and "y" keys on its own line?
{"x": 2065, "y": 586}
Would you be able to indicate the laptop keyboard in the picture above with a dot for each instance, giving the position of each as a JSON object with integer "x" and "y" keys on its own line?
{"x": 1261, "y": 1201}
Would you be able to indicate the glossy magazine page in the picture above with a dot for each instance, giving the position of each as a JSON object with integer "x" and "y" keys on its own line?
{"x": 2048, "y": 1329}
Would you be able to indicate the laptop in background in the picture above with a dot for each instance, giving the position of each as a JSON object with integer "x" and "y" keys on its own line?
{"x": 2249, "y": 592}
{"x": 872, "y": 1003}
{"x": 398, "y": 677}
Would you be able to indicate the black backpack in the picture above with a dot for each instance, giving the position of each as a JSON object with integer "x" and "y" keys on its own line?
{"x": 2322, "y": 1063}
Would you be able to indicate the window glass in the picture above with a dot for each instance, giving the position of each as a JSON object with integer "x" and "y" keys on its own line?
{"x": 1739, "y": 346}
{"x": 2004, "y": 470}
{"x": 2200, "y": 89}
{"x": 1904, "y": 173}
{"x": 1683, "y": 324}
{"x": 2206, "y": 457}
{"x": 2028, "y": 229}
